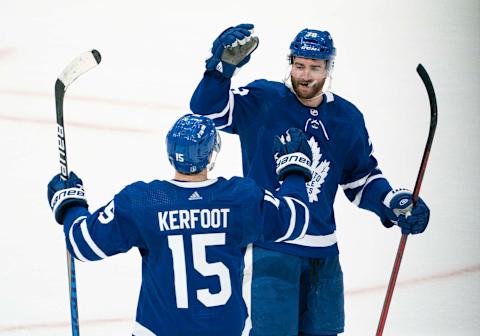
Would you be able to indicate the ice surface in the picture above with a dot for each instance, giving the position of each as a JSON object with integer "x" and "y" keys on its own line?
{"x": 117, "y": 115}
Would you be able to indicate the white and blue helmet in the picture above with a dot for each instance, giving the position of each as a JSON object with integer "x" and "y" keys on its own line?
{"x": 314, "y": 44}
{"x": 192, "y": 144}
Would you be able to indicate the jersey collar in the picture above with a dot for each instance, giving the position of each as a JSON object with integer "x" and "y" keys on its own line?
{"x": 184, "y": 184}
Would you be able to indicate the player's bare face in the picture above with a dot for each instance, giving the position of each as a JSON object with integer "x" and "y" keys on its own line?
{"x": 308, "y": 76}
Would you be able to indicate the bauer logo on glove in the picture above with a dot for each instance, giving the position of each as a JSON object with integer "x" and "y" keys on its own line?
{"x": 63, "y": 194}
{"x": 295, "y": 158}
{"x": 293, "y": 154}
{"x": 60, "y": 196}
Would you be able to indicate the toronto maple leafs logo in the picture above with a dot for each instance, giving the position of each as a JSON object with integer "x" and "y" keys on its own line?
{"x": 320, "y": 171}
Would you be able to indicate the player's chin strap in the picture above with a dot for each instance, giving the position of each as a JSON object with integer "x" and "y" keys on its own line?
{"x": 216, "y": 150}
{"x": 211, "y": 164}
{"x": 287, "y": 80}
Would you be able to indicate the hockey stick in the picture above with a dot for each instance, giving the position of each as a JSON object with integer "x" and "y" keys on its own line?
{"x": 403, "y": 241}
{"x": 75, "y": 69}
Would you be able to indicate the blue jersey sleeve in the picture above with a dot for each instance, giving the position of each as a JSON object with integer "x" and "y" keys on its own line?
{"x": 108, "y": 231}
{"x": 232, "y": 110}
{"x": 281, "y": 216}
{"x": 362, "y": 180}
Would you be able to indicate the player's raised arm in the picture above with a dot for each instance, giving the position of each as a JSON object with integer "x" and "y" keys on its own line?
{"x": 213, "y": 98}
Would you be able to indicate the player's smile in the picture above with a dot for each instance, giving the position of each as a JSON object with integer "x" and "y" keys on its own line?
{"x": 306, "y": 88}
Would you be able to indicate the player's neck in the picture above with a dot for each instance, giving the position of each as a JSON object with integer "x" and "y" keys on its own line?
{"x": 202, "y": 176}
{"x": 312, "y": 102}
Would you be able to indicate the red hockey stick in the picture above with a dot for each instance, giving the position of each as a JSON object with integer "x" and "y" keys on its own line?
{"x": 403, "y": 241}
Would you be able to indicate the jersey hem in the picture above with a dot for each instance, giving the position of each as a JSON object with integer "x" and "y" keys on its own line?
{"x": 302, "y": 251}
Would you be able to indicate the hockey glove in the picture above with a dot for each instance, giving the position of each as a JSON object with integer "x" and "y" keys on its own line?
{"x": 400, "y": 211}
{"x": 232, "y": 49}
{"x": 293, "y": 154}
{"x": 63, "y": 194}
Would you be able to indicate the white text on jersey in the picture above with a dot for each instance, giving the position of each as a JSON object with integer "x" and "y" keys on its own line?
{"x": 190, "y": 219}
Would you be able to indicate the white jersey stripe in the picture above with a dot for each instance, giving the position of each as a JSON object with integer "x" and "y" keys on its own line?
{"x": 76, "y": 251}
{"x": 315, "y": 241}
{"x": 307, "y": 216}
{"x": 89, "y": 240}
{"x": 329, "y": 96}
{"x": 225, "y": 110}
{"x": 268, "y": 192}
{"x": 273, "y": 200}
{"x": 356, "y": 184}
{"x": 293, "y": 219}
{"x": 200, "y": 184}
{"x": 358, "y": 197}
{"x": 247, "y": 288}
{"x": 140, "y": 330}
{"x": 231, "y": 104}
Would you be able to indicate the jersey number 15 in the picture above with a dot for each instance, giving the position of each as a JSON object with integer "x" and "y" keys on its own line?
{"x": 199, "y": 244}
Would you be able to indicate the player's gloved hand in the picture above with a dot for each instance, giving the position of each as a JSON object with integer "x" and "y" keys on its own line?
{"x": 232, "y": 49}
{"x": 63, "y": 194}
{"x": 400, "y": 211}
{"x": 293, "y": 154}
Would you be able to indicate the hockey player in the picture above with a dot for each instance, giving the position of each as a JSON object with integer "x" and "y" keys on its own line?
{"x": 191, "y": 231}
{"x": 297, "y": 285}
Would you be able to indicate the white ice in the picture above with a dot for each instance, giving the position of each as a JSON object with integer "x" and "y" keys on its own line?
{"x": 117, "y": 115}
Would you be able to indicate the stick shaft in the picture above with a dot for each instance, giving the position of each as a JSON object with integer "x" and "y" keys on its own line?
{"x": 62, "y": 150}
{"x": 75, "y": 69}
{"x": 418, "y": 183}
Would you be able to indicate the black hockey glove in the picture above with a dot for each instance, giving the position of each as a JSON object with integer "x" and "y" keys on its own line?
{"x": 293, "y": 154}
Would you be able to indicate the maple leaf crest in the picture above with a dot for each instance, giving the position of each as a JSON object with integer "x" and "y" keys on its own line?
{"x": 320, "y": 171}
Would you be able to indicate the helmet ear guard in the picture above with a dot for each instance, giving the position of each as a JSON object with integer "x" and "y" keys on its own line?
{"x": 192, "y": 144}
{"x": 216, "y": 149}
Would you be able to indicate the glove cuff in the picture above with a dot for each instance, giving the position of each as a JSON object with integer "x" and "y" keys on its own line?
{"x": 394, "y": 192}
{"x": 64, "y": 194}
{"x": 392, "y": 208}
{"x": 65, "y": 198}
{"x": 225, "y": 69}
{"x": 294, "y": 161}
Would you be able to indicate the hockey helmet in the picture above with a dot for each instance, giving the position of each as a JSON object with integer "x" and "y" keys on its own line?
{"x": 314, "y": 44}
{"x": 191, "y": 143}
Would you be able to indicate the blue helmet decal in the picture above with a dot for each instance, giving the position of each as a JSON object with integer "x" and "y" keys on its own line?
{"x": 191, "y": 142}
{"x": 314, "y": 44}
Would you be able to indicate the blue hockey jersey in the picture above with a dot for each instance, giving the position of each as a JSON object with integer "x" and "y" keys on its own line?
{"x": 342, "y": 151}
{"x": 192, "y": 237}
